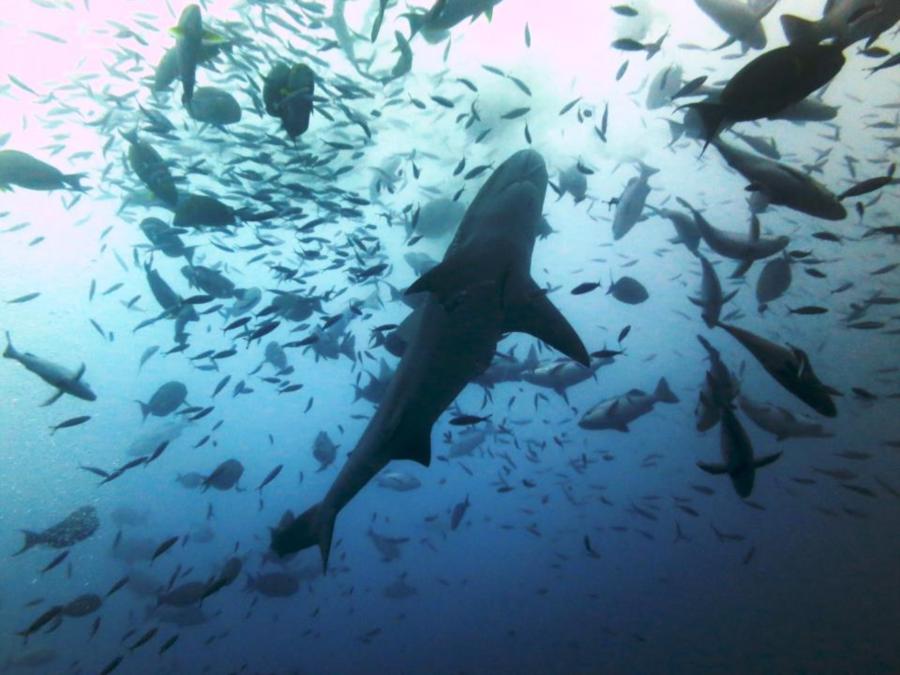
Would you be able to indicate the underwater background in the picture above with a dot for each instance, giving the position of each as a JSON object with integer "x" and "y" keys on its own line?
{"x": 578, "y": 551}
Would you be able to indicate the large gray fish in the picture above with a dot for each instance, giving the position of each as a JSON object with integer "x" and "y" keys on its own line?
{"x": 772, "y": 182}
{"x": 740, "y": 19}
{"x": 20, "y": 168}
{"x": 631, "y": 203}
{"x": 780, "y": 422}
{"x": 768, "y": 84}
{"x": 790, "y": 367}
{"x": 435, "y": 24}
{"x": 77, "y": 526}
{"x": 481, "y": 290}
{"x": 65, "y": 381}
{"x": 151, "y": 168}
{"x": 561, "y": 374}
{"x": 845, "y": 22}
{"x": 617, "y": 412}
{"x": 744, "y": 248}
{"x": 188, "y": 42}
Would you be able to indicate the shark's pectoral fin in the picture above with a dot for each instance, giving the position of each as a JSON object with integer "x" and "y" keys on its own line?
{"x": 536, "y": 315}
{"x": 416, "y": 448}
{"x": 445, "y": 279}
{"x": 80, "y": 373}
{"x": 714, "y": 469}
{"x": 53, "y": 399}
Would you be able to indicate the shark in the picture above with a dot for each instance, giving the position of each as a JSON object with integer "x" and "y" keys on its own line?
{"x": 481, "y": 290}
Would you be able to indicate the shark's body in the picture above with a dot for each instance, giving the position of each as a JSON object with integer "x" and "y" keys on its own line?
{"x": 481, "y": 290}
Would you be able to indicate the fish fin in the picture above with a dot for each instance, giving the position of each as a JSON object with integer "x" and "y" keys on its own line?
{"x": 765, "y": 460}
{"x": 714, "y": 469}
{"x": 73, "y": 180}
{"x": 348, "y": 347}
{"x": 417, "y": 450}
{"x": 416, "y": 21}
{"x": 695, "y": 301}
{"x": 730, "y": 296}
{"x": 730, "y": 41}
{"x": 176, "y": 31}
{"x": 798, "y": 30}
{"x": 533, "y": 313}
{"x": 145, "y": 410}
{"x": 315, "y": 526}
{"x": 622, "y": 427}
{"x": 53, "y": 399}
{"x": 712, "y": 116}
{"x": 741, "y": 269}
{"x": 444, "y": 279}
{"x": 755, "y": 228}
{"x": 663, "y": 393}
{"x": 10, "y": 351}
{"x": 31, "y": 539}
{"x": 80, "y": 373}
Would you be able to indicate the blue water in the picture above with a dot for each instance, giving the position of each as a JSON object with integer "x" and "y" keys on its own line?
{"x": 578, "y": 568}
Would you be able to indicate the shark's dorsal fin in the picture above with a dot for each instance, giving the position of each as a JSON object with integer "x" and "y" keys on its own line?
{"x": 529, "y": 310}
{"x": 80, "y": 372}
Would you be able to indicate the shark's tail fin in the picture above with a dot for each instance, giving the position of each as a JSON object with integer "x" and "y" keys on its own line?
{"x": 31, "y": 539}
{"x": 314, "y": 527}
{"x": 663, "y": 393}
{"x": 800, "y": 31}
{"x": 10, "y": 351}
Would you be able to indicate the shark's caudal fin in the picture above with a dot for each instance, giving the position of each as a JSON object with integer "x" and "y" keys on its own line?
{"x": 314, "y": 527}
{"x": 31, "y": 539}
{"x": 530, "y": 311}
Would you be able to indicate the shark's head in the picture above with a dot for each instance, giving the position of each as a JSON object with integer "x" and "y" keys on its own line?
{"x": 510, "y": 202}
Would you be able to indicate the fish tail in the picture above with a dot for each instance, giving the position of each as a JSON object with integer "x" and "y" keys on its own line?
{"x": 31, "y": 539}
{"x": 663, "y": 393}
{"x": 800, "y": 31}
{"x": 73, "y": 180}
{"x": 712, "y": 116}
{"x": 314, "y": 527}
{"x": 348, "y": 347}
{"x": 10, "y": 351}
{"x": 416, "y": 20}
